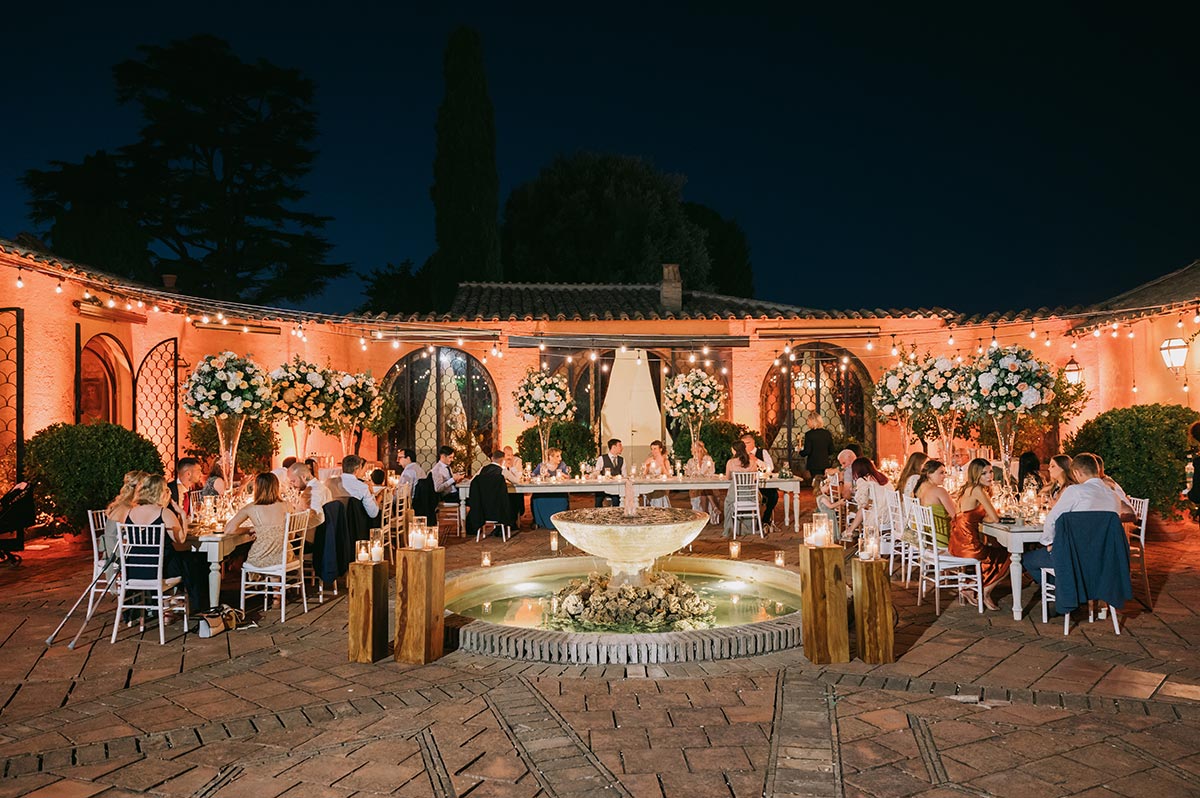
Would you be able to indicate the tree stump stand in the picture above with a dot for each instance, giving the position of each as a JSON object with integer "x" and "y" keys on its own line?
{"x": 873, "y": 632}
{"x": 420, "y": 605}
{"x": 826, "y": 627}
{"x": 368, "y": 622}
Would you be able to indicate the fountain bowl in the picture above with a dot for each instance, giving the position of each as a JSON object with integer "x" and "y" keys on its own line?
{"x": 630, "y": 544}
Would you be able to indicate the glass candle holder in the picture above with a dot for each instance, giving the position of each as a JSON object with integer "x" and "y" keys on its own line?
{"x": 363, "y": 551}
{"x": 553, "y": 540}
{"x": 735, "y": 549}
{"x": 869, "y": 547}
{"x": 779, "y": 558}
{"x": 487, "y": 608}
{"x": 416, "y": 536}
{"x": 431, "y": 538}
{"x": 485, "y": 559}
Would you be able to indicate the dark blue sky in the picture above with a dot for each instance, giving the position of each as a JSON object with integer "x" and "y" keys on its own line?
{"x": 876, "y": 155}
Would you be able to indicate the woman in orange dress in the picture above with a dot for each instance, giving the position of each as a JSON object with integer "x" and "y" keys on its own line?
{"x": 967, "y": 539}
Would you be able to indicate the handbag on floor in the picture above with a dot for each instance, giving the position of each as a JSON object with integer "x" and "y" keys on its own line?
{"x": 220, "y": 619}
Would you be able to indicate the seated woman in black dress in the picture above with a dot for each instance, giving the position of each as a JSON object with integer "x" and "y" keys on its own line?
{"x": 150, "y": 507}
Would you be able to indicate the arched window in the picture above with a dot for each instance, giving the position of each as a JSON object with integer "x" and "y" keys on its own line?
{"x": 822, "y": 378}
{"x": 105, "y": 383}
{"x": 444, "y": 399}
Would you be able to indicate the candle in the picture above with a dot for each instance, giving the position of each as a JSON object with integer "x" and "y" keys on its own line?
{"x": 431, "y": 538}
{"x": 486, "y": 559}
{"x": 416, "y": 539}
{"x": 364, "y": 553}
{"x": 487, "y": 607}
{"x": 779, "y": 558}
{"x": 735, "y": 549}
{"x": 553, "y": 540}
{"x": 377, "y": 553}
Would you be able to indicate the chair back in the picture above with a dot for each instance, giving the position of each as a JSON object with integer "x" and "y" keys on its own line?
{"x": 926, "y": 535}
{"x": 1091, "y": 559}
{"x": 890, "y": 517}
{"x": 195, "y": 501}
{"x": 141, "y": 554}
{"x": 97, "y": 519}
{"x": 386, "y": 503}
{"x": 1141, "y": 507}
{"x": 403, "y": 498}
{"x": 745, "y": 489}
{"x": 294, "y": 532}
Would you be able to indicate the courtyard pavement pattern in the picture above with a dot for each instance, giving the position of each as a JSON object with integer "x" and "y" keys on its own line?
{"x": 976, "y": 705}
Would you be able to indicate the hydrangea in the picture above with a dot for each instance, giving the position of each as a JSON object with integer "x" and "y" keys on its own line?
{"x": 543, "y": 397}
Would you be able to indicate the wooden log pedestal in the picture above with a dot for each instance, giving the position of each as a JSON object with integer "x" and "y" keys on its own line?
{"x": 420, "y": 604}
{"x": 368, "y": 626}
{"x": 826, "y": 628}
{"x": 873, "y": 632}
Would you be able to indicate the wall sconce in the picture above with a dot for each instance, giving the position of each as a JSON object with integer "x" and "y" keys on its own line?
{"x": 1073, "y": 372}
{"x": 1174, "y": 353}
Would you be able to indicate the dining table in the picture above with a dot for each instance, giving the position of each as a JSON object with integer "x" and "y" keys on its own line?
{"x": 1014, "y": 536}
{"x": 615, "y": 486}
{"x": 215, "y": 545}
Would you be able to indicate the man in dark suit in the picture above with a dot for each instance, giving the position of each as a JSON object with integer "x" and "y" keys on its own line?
{"x": 488, "y": 500}
{"x": 612, "y": 463}
{"x": 818, "y": 446}
{"x": 188, "y": 474}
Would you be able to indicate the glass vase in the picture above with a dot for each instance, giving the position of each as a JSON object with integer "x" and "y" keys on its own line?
{"x": 543, "y": 428}
{"x": 945, "y": 424}
{"x": 347, "y": 436}
{"x": 300, "y": 439}
{"x": 229, "y": 432}
{"x": 1006, "y": 440}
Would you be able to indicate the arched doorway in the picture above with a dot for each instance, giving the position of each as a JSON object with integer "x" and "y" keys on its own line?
{"x": 444, "y": 398}
{"x": 822, "y": 378}
{"x": 105, "y": 383}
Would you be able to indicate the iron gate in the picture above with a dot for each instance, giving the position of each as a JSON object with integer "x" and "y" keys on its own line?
{"x": 156, "y": 402}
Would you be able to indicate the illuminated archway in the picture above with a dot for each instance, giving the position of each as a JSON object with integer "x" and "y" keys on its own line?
{"x": 105, "y": 385}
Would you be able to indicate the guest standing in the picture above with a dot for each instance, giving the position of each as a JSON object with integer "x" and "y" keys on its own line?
{"x": 966, "y": 537}
{"x": 818, "y": 446}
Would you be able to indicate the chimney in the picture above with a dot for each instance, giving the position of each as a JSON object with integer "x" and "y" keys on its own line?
{"x": 671, "y": 291}
{"x": 169, "y": 280}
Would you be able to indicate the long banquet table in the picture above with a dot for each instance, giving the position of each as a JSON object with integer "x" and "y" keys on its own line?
{"x": 616, "y": 487}
{"x": 216, "y": 546}
{"x": 1014, "y": 537}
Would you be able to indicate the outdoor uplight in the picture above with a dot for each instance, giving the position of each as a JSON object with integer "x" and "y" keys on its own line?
{"x": 1073, "y": 371}
{"x": 1174, "y": 353}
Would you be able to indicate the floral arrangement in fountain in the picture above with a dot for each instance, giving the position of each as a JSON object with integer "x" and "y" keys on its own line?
{"x": 1010, "y": 379}
{"x": 694, "y": 396}
{"x": 303, "y": 392}
{"x": 544, "y": 397}
{"x": 226, "y": 384}
{"x": 665, "y": 604}
{"x": 358, "y": 401}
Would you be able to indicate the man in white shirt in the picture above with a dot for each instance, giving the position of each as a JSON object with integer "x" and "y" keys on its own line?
{"x": 313, "y": 493}
{"x": 411, "y": 473}
{"x": 1091, "y": 493}
{"x": 770, "y": 495}
{"x": 846, "y": 458}
{"x": 353, "y": 468}
{"x": 445, "y": 481}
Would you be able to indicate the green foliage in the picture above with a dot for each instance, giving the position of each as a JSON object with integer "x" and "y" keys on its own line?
{"x": 1145, "y": 449}
{"x": 211, "y": 182}
{"x": 79, "y": 467}
{"x": 718, "y": 437}
{"x": 575, "y": 439}
{"x": 466, "y": 186}
{"x": 728, "y": 250}
{"x": 599, "y": 217}
{"x": 256, "y": 447}
{"x": 389, "y": 412}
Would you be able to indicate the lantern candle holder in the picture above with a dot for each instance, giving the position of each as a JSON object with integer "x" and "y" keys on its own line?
{"x": 779, "y": 559}
{"x": 363, "y": 553}
{"x": 735, "y": 549}
{"x": 554, "y": 540}
{"x": 485, "y": 559}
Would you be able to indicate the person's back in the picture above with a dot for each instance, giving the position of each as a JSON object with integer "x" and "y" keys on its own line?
{"x": 488, "y": 499}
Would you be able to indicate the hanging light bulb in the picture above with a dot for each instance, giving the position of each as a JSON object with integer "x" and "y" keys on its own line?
{"x": 792, "y": 357}
{"x": 592, "y": 355}
{"x": 377, "y": 334}
{"x": 1047, "y": 341}
{"x": 541, "y": 346}
{"x": 911, "y": 356}
{"x": 845, "y": 360}
{"x": 460, "y": 341}
{"x": 1179, "y": 324}
{"x": 112, "y": 303}
{"x": 187, "y": 318}
{"x": 994, "y": 344}
{"x": 870, "y": 344}
{"x": 1130, "y": 333}
{"x": 979, "y": 348}
{"x": 604, "y": 367}
{"x": 155, "y": 308}
{"x": 1032, "y": 333}
{"x": 225, "y": 323}
{"x": 245, "y": 329}
{"x": 895, "y": 351}
{"x": 692, "y": 357}
{"x": 1185, "y": 385}
{"x": 950, "y": 340}
{"x": 570, "y": 359}
{"x": 205, "y": 320}
{"x": 622, "y": 347}
{"x": 362, "y": 341}
{"x": 128, "y": 305}
{"x": 958, "y": 357}
{"x": 58, "y": 288}
{"x": 545, "y": 365}
{"x": 87, "y": 294}
{"x": 707, "y": 363}
{"x": 665, "y": 369}
{"x": 484, "y": 359}
{"x": 1134, "y": 389}
{"x": 724, "y": 370}
{"x": 494, "y": 350}
{"x": 220, "y": 315}
{"x": 395, "y": 344}
{"x": 1114, "y": 333}
{"x": 705, "y": 349}
{"x": 20, "y": 282}
{"x": 1074, "y": 344}
{"x": 776, "y": 361}
{"x": 788, "y": 348}
{"x": 1096, "y": 333}
{"x": 430, "y": 348}
{"x": 1196, "y": 318}
{"x": 639, "y": 357}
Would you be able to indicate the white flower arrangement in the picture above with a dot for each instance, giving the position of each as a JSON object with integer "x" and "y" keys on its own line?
{"x": 358, "y": 400}
{"x": 226, "y": 384}
{"x": 1010, "y": 380}
{"x": 544, "y": 397}
{"x": 695, "y": 396}
{"x": 895, "y": 397}
{"x": 939, "y": 385}
{"x": 303, "y": 392}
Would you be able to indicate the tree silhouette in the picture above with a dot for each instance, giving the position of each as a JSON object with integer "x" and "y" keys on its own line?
{"x": 728, "y": 251}
{"x": 214, "y": 177}
{"x": 397, "y": 289}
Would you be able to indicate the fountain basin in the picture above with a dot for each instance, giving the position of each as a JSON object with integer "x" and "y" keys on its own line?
{"x": 630, "y": 544}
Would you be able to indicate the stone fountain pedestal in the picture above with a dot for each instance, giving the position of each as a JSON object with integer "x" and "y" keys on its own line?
{"x": 630, "y": 544}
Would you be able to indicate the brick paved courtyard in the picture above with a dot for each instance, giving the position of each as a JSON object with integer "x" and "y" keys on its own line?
{"x": 975, "y": 705}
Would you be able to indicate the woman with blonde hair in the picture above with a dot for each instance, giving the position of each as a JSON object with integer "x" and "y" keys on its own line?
{"x": 966, "y": 536}
{"x": 152, "y": 507}
{"x": 267, "y": 516}
{"x": 544, "y": 505}
{"x": 118, "y": 509}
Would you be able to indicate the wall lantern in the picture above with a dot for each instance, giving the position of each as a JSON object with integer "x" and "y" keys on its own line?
{"x": 1174, "y": 353}
{"x": 1073, "y": 371}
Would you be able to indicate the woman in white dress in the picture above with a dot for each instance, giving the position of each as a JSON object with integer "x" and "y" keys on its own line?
{"x": 657, "y": 465}
{"x": 701, "y": 466}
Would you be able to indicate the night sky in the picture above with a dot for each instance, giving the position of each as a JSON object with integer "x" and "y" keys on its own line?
{"x": 971, "y": 157}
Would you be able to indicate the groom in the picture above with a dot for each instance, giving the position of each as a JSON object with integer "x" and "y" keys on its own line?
{"x": 615, "y": 464}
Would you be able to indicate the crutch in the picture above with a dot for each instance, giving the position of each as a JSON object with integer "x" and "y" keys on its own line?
{"x": 50, "y": 640}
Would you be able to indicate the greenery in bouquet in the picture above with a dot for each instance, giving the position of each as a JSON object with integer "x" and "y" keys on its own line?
{"x": 303, "y": 392}
{"x": 226, "y": 384}
{"x": 695, "y": 395}
{"x": 718, "y": 436}
{"x": 544, "y": 397}
{"x": 894, "y": 396}
{"x": 576, "y": 441}
{"x": 1010, "y": 379}
{"x": 257, "y": 444}
{"x": 358, "y": 401}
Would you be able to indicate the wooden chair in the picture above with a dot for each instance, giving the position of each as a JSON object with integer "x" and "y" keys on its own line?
{"x": 140, "y": 550}
{"x": 1137, "y": 545}
{"x": 277, "y": 580}
{"x": 387, "y": 519}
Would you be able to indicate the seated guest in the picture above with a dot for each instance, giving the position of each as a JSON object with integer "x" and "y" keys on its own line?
{"x": 741, "y": 462}
{"x": 966, "y": 536}
{"x": 488, "y": 500}
{"x": 906, "y": 483}
{"x": 545, "y": 505}
{"x": 870, "y": 494}
{"x": 514, "y": 470}
{"x": 152, "y": 505}
{"x": 1126, "y": 512}
{"x": 612, "y": 464}
{"x": 1090, "y": 493}
{"x": 656, "y": 465}
{"x": 770, "y": 496}
{"x": 353, "y": 485}
{"x": 118, "y": 509}
{"x": 281, "y": 473}
{"x": 702, "y": 466}
{"x": 1029, "y": 472}
{"x": 846, "y": 458}
{"x": 267, "y": 516}
{"x": 410, "y": 473}
{"x": 930, "y": 493}
{"x": 1060, "y": 477}
{"x": 445, "y": 480}
{"x": 215, "y": 484}
{"x": 187, "y": 478}
{"x": 313, "y": 468}
{"x": 377, "y": 481}
{"x": 313, "y": 493}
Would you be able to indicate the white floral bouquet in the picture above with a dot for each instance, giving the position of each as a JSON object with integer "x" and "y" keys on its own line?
{"x": 358, "y": 400}
{"x": 303, "y": 392}
{"x": 1010, "y": 380}
{"x": 544, "y": 397}
{"x": 895, "y": 395}
{"x": 695, "y": 396}
{"x": 938, "y": 384}
{"x": 224, "y": 385}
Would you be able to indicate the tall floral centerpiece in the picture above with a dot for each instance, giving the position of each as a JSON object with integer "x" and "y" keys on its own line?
{"x": 357, "y": 406}
{"x": 543, "y": 398}
{"x": 227, "y": 389}
{"x": 939, "y": 387}
{"x": 894, "y": 397}
{"x": 303, "y": 394}
{"x": 695, "y": 397}
{"x": 1005, "y": 383}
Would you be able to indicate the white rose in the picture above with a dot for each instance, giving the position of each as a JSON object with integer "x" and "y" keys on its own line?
{"x": 1031, "y": 397}
{"x": 315, "y": 379}
{"x": 277, "y": 373}
{"x": 226, "y": 396}
{"x": 347, "y": 380}
{"x": 893, "y": 383}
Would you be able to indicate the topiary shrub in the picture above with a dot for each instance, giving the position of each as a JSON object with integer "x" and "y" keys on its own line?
{"x": 79, "y": 467}
{"x": 1145, "y": 449}
{"x": 576, "y": 441}
{"x": 718, "y": 437}
{"x": 256, "y": 447}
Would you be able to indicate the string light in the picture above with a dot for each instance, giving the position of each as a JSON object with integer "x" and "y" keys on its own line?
{"x": 665, "y": 369}
{"x": 895, "y": 351}
{"x": 545, "y": 365}
{"x": 1134, "y": 389}
{"x": 1074, "y": 344}
{"x": 604, "y": 367}
{"x": 692, "y": 357}
{"x": 220, "y": 316}
{"x": 1196, "y": 318}
{"x": 1032, "y": 332}
{"x": 979, "y": 348}
{"x": 870, "y": 344}
{"x": 1130, "y": 333}
{"x": 112, "y": 303}
{"x": 776, "y": 361}
{"x": 20, "y": 281}
{"x": 58, "y": 288}
{"x": 788, "y": 349}
{"x": 622, "y": 347}
{"x": 1179, "y": 323}
{"x": 460, "y": 342}
{"x": 154, "y": 308}
{"x": 395, "y": 344}
{"x": 494, "y": 350}
{"x": 430, "y": 348}
{"x": 484, "y": 359}
{"x": 724, "y": 370}
{"x": 225, "y": 323}
{"x": 570, "y": 359}
{"x": 958, "y": 357}
{"x": 950, "y": 340}
{"x": 705, "y": 349}
{"x": 87, "y": 294}
{"x": 362, "y": 341}
{"x": 1047, "y": 341}
{"x": 1096, "y": 333}
{"x": 707, "y": 364}
{"x": 592, "y": 355}
{"x": 245, "y": 329}
{"x": 994, "y": 344}
{"x": 128, "y": 306}
{"x": 187, "y": 318}
{"x": 542, "y": 346}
